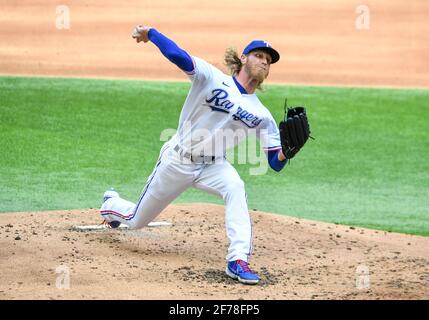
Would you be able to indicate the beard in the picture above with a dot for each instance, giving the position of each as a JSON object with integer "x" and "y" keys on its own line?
{"x": 256, "y": 72}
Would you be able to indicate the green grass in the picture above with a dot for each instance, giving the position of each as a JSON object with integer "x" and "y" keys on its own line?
{"x": 64, "y": 141}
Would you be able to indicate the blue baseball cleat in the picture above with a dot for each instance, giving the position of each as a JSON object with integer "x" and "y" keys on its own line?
{"x": 240, "y": 270}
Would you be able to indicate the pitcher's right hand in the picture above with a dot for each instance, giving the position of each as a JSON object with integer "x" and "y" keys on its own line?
{"x": 141, "y": 33}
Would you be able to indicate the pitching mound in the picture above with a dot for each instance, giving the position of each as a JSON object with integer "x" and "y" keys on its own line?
{"x": 43, "y": 256}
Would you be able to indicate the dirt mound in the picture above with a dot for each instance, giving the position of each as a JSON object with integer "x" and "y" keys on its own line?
{"x": 296, "y": 259}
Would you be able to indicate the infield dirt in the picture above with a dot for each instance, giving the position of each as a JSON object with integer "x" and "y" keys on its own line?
{"x": 321, "y": 42}
{"x": 296, "y": 259}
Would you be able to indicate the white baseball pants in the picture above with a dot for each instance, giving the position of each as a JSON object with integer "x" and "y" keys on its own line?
{"x": 173, "y": 175}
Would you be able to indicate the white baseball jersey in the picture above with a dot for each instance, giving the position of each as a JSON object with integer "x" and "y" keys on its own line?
{"x": 217, "y": 116}
{"x": 214, "y": 109}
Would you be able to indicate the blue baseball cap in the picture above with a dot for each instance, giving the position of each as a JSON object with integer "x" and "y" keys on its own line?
{"x": 265, "y": 46}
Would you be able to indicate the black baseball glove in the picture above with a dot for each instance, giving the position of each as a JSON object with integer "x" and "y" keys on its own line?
{"x": 294, "y": 131}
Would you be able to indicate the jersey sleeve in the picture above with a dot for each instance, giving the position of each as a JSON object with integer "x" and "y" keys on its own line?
{"x": 269, "y": 135}
{"x": 202, "y": 72}
{"x": 171, "y": 50}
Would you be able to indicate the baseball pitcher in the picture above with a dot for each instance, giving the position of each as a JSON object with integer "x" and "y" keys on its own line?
{"x": 216, "y": 102}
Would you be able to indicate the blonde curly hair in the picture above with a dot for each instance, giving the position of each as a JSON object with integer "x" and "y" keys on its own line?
{"x": 233, "y": 63}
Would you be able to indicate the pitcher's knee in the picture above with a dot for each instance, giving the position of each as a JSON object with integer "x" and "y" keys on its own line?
{"x": 234, "y": 188}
